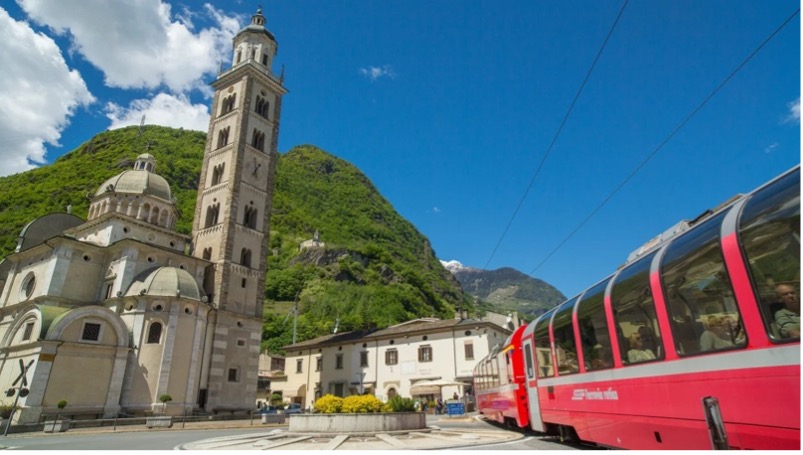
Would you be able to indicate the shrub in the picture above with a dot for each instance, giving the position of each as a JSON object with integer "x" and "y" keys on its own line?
{"x": 61, "y": 404}
{"x": 328, "y": 404}
{"x": 401, "y": 404}
{"x": 362, "y": 404}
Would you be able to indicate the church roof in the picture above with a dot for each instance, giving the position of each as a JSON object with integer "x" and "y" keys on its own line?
{"x": 166, "y": 281}
{"x": 137, "y": 182}
{"x": 45, "y": 227}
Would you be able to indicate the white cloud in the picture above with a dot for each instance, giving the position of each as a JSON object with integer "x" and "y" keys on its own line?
{"x": 794, "y": 111}
{"x": 39, "y": 92}
{"x": 375, "y": 72}
{"x": 770, "y": 148}
{"x": 139, "y": 43}
{"x": 164, "y": 109}
{"x": 436, "y": 210}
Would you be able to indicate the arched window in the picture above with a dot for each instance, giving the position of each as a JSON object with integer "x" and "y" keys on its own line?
{"x": 258, "y": 140}
{"x": 262, "y": 107}
{"x": 223, "y": 137}
{"x": 207, "y": 254}
{"x": 217, "y": 173}
{"x": 155, "y": 333}
{"x": 245, "y": 257}
{"x": 228, "y": 104}
{"x": 212, "y": 213}
{"x": 250, "y": 217}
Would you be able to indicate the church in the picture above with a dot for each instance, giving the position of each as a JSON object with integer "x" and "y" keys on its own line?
{"x": 113, "y": 313}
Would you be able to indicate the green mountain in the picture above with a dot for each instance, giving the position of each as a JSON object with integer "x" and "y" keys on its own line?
{"x": 375, "y": 270}
{"x": 507, "y": 290}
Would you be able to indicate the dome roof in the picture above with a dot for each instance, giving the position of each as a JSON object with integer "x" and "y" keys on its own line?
{"x": 166, "y": 281}
{"x": 137, "y": 182}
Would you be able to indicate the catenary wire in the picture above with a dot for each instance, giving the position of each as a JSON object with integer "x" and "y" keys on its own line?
{"x": 667, "y": 139}
{"x": 557, "y": 133}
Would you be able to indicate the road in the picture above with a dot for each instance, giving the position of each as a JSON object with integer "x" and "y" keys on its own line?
{"x": 142, "y": 439}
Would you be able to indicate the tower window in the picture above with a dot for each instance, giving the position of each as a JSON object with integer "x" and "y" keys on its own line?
{"x": 245, "y": 257}
{"x": 155, "y": 333}
{"x": 265, "y": 59}
{"x": 233, "y": 375}
{"x": 228, "y": 104}
{"x": 250, "y": 217}
{"x": 243, "y": 283}
{"x": 212, "y": 213}
{"x": 258, "y": 140}
{"x": 207, "y": 254}
{"x": 223, "y": 137}
{"x": 262, "y": 107}
{"x": 217, "y": 171}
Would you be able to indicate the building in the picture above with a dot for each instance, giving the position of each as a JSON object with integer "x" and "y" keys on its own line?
{"x": 112, "y": 313}
{"x": 391, "y": 361}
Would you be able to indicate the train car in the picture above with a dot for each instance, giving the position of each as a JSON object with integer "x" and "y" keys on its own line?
{"x": 499, "y": 384}
{"x": 691, "y": 344}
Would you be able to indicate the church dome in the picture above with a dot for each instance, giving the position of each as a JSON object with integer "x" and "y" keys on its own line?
{"x": 166, "y": 281}
{"x": 137, "y": 182}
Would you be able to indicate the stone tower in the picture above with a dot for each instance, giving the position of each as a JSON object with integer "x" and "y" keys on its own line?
{"x": 232, "y": 215}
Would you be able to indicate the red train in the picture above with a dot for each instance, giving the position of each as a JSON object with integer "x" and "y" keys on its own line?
{"x": 694, "y": 343}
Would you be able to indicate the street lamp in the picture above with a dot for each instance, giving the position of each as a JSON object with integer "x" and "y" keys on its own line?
{"x": 361, "y": 374}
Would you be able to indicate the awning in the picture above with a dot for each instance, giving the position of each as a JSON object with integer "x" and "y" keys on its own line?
{"x": 425, "y": 390}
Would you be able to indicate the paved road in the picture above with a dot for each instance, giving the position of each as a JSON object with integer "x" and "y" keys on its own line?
{"x": 445, "y": 433}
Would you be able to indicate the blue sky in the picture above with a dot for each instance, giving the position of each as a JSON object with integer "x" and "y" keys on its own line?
{"x": 448, "y": 106}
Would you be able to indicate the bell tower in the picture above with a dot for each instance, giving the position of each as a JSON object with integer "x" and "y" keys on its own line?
{"x": 232, "y": 215}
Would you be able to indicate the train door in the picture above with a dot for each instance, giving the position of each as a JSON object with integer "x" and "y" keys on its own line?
{"x": 532, "y": 391}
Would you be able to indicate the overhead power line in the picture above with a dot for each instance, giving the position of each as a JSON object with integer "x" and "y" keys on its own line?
{"x": 669, "y": 137}
{"x": 557, "y": 133}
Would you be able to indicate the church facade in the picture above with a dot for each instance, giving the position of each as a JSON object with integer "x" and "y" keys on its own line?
{"x": 114, "y": 312}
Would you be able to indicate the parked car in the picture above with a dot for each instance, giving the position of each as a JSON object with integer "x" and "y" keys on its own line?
{"x": 293, "y": 408}
{"x": 270, "y": 410}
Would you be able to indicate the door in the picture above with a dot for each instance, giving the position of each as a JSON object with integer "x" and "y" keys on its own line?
{"x": 532, "y": 390}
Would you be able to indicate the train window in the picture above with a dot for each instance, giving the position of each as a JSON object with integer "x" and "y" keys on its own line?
{"x": 528, "y": 361}
{"x": 508, "y": 367}
{"x": 700, "y": 300}
{"x": 494, "y": 372}
{"x": 565, "y": 347}
{"x": 543, "y": 351}
{"x": 594, "y": 335}
{"x": 634, "y": 312}
{"x": 770, "y": 235}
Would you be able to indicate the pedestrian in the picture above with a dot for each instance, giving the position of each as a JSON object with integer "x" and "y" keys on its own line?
{"x": 455, "y": 397}
{"x": 439, "y": 408}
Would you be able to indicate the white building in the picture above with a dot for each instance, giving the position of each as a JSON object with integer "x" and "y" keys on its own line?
{"x": 390, "y": 361}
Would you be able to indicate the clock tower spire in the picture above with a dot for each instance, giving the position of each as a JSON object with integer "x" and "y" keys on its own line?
{"x": 232, "y": 215}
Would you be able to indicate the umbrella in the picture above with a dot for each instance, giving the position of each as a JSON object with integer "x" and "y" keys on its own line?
{"x": 428, "y": 387}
